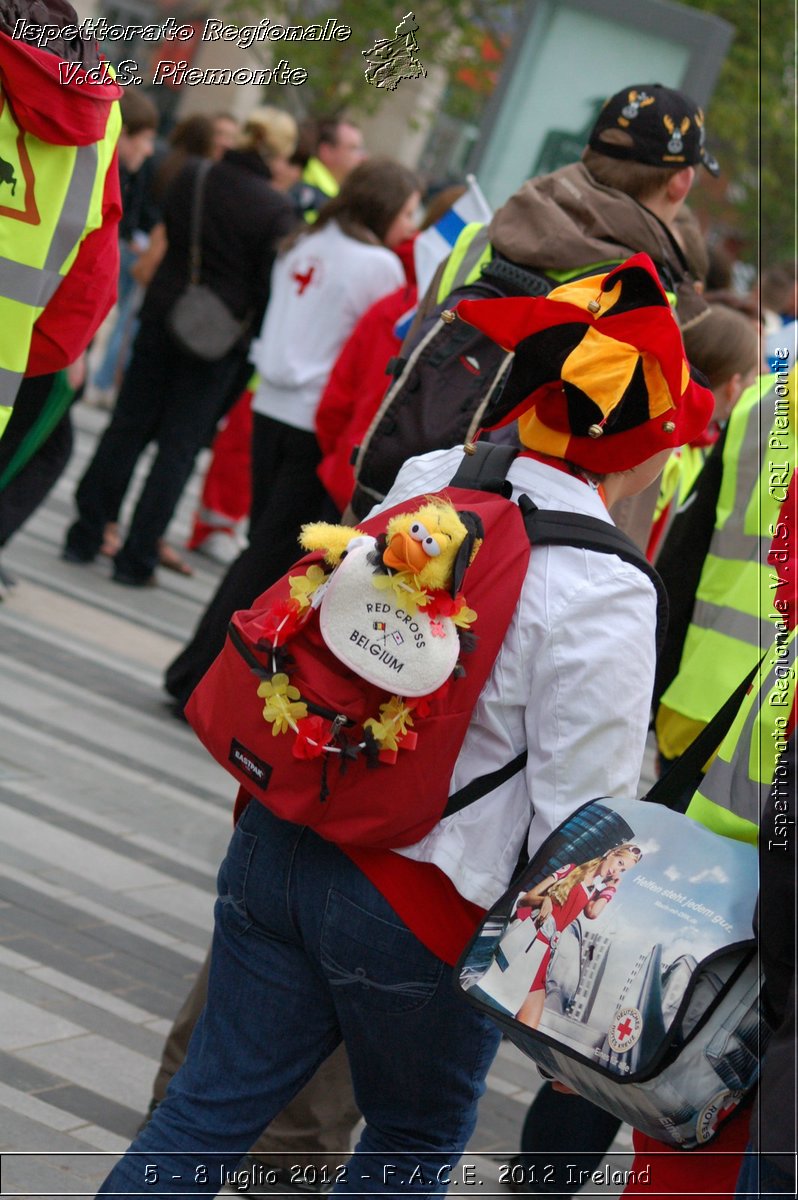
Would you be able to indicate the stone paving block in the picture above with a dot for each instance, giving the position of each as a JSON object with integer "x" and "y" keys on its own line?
{"x": 50, "y": 1177}
{"x": 522, "y": 1075}
{"x": 91, "y": 913}
{"x": 99, "y": 1065}
{"x": 99, "y": 971}
{"x": 9, "y": 921}
{"x": 113, "y": 870}
{"x": 113, "y": 1144}
{"x": 21, "y": 1075}
{"x": 20, "y": 1132}
{"x": 20, "y": 858}
{"x": 114, "y": 902}
{"x": 95, "y": 997}
{"x": 186, "y": 933}
{"x": 188, "y": 903}
{"x": 114, "y": 840}
{"x": 37, "y": 1108}
{"x": 134, "y": 1037}
{"x": 85, "y": 1105}
{"x": 159, "y": 1000}
{"x": 152, "y": 961}
{"x": 51, "y": 923}
{"x": 23, "y": 1024}
{"x": 19, "y": 962}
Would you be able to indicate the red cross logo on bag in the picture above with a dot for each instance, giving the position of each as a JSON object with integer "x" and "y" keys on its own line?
{"x": 625, "y": 1030}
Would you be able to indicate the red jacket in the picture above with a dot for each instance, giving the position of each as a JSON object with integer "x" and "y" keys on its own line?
{"x": 67, "y": 114}
{"x": 354, "y": 390}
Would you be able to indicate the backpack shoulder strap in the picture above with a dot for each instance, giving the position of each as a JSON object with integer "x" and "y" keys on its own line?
{"x": 553, "y": 528}
{"x": 484, "y": 467}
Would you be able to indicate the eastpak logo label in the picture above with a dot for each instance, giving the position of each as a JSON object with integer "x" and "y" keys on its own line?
{"x": 253, "y": 767}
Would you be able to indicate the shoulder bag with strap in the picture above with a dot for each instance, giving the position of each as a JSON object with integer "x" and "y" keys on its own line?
{"x": 200, "y": 321}
{"x": 651, "y": 1002}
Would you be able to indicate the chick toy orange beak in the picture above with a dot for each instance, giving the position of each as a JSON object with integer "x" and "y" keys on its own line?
{"x": 404, "y": 553}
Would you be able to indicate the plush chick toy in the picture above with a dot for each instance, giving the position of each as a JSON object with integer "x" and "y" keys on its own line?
{"x": 334, "y": 540}
{"x": 435, "y": 544}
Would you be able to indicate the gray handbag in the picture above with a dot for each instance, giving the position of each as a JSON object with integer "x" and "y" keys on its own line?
{"x": 199, "y": 321}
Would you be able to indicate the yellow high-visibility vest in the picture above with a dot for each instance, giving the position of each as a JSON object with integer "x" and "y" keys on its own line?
{"x": 734, "y": 607}
{"x": 737, "y": 786}
{"x": 473, "y": 250}
{"x": 50, "y": 198}
{"x": 465, "y": 262}
{"x": 318, "y": 176}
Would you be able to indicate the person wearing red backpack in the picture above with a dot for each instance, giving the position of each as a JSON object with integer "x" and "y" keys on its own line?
{"x": 318, "y": 943}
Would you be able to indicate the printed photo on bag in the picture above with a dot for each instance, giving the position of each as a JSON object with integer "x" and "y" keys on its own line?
{"x": 599, "y": 943}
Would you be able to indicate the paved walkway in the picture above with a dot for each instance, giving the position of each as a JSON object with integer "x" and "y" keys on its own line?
{"x": 112, "y": 823}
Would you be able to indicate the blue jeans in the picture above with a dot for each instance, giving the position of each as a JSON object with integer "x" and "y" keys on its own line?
{"x": 306, "y": 952}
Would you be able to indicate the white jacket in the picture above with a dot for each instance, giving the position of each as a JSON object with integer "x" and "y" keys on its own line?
{"x": 320, "y": 289}
{"x": 572, "y": 682}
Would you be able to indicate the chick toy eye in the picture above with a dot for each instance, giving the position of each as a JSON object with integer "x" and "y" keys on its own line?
{"x": 419, "y": 533}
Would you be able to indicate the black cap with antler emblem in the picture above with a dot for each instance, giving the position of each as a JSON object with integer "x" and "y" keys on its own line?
{"x": 649, "y": 123}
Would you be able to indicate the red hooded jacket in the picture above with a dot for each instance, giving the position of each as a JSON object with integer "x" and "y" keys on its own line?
{"x": 67, "y": 114}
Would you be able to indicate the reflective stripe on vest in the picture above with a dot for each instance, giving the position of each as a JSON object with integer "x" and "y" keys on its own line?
{"x": 468, "y": 256}
{"x": 734, "y": 609}
{"x": 737, "y": 786}
{"x": 473, "y": 250}
{"x": 52, "y": 200}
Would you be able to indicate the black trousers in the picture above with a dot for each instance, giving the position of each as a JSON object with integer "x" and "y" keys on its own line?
{"x": 20, "y": 498}
{"x": 286, "y": 493}
{"x": 563, "y": 1140}
{"x": 167, "y": 397}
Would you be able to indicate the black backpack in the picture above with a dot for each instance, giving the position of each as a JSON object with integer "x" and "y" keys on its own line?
{"x": 441, "y": 389}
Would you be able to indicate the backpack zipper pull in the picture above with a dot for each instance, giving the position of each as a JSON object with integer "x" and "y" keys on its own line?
{"x": 337, "y": 726}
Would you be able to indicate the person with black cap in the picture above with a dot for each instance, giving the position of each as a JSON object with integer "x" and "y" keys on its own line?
{"x": 623, "y": 197}
{"x": 317, "y": 943}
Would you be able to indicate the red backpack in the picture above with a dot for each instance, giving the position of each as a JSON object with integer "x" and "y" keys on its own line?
{"x": 368, "y": 761}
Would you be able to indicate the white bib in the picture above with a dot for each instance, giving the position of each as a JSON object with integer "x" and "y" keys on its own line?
{"x": 368, "y": 630}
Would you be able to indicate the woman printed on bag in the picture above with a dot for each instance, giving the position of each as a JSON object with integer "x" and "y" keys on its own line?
{"x": 559, "y": 899}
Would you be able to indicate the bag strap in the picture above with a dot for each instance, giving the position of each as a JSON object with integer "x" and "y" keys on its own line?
{"x": 486, "y": 470}
{"x": 484, "y": 467}
{"x": 195, "y": 251}
{"x": 515, "y": 280}
{"x": 674, "y": 789}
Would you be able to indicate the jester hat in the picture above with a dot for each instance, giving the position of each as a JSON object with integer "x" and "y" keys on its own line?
{"x": 599, "y": 375}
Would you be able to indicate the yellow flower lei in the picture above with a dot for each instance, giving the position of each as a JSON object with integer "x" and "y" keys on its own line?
{"x": 283, "y": 707}
{"x": 394, "y": 723}
{"x": 406, "y": 588}
{"x": 303, "y": 586}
